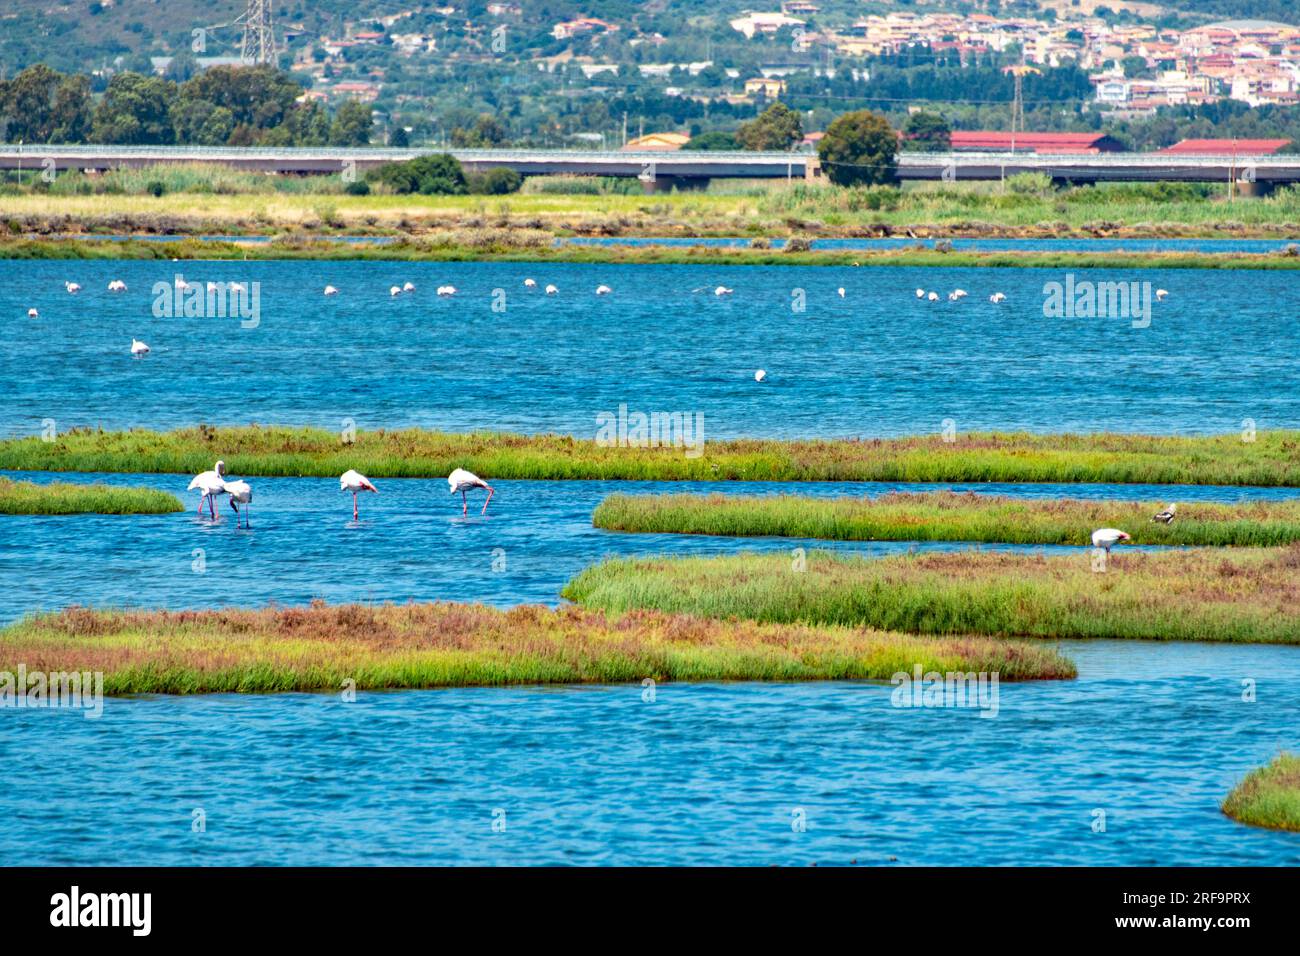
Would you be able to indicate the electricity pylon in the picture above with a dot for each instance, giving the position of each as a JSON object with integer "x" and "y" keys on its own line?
{"x": 1018, "y": 103}
{"x": 259, "y": 36}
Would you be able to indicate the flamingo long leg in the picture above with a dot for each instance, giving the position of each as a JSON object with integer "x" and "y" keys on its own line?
{"x": 491, "y": 492}
{"x": 354, "y": 506}
{"x": 464, "y": 504}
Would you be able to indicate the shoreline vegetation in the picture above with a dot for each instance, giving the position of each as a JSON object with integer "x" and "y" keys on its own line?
{"x": 1240, "y": 596}
{"x": 322, "y": 647}
{"x": 196, "y": 199}
{"x": 1268, "y": 796}
{"x": 1269, "y": 460}
{"x": 520, "y": 246}
{"x": 62, "y": 498}
{"x": 949, "y": 516}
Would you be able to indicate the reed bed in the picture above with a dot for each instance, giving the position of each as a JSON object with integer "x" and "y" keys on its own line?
{"x": 949, "y": 516}
{"x": 1270, "y": 460}
{"x": 62, "y": 498}
{"x": 323, "y": 647}
{"x": 1249, "y": 595}
{"x": 1269, "y": 796}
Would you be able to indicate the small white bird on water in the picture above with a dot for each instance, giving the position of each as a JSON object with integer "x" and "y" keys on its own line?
{"x": 840, "y": 290}
{"x": 32, "y": 314}
{"x": 330, "y": 290}
{"x": 551, "y": 290}
{"x": 1167, "y": 516}
{"x": 1160, "y": 294}
{"x": 933, "y": 297}
{"x": 1107, "y": 538}
{"x": 240, "y": 494}
{"x": 530, "y": 283}
{"x": 603, "y": 290}
{"x": 356, "y": 483}
{"x": 920, "y": 293}
{"x": 395, "y": 290}
{"x": 138, "y": 348}
{"x": 998, "y": 297}
{"x": 408, "y": 286}
{"x": 210, "y": 483}
{"x": 462, "y": 481}
{"x": 722, "y": 290}
{"x": 72, "y": 287}
{"x": 760, "y": 375}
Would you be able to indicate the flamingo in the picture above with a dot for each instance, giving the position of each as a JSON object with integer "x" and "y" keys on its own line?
{"x": 138, "y": 348}
{"x": 72, "y": 288}
{"x": 920, "y": 293}
{"x": 395, "y": 290}
{"x": 958, "y": 294}
{"x": 722, "y": 290}
{"x": 933, "y": 297}
{"x": 551, "y": 290}
{"x": 998, "y": 297}
{"x": 530, "y": 283}
{"x": 211, "y": 483}
{"x": 444, "y": 290}
{"x": 117, "y": 285}
{"x": 1107, "y": 538}
{"x": 1160, "y": 294}
{"x": 32, "y": 314}
{"x": 1167, "y": 516}
{"x": 240, "y": 493}
{"x": 760, "y": 375}
{"x": 408, "y": 287}
{"x": 603, "y": 290}
{"x": 462, "y": 480}
{"x": 236, "y": 287}
{"x": 355, "y": 482}
{"x": 840, "y": 290}
{"x": 330, "y": 290}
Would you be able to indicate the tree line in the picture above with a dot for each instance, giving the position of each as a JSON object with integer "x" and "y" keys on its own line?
{"x": 223, "y": 106}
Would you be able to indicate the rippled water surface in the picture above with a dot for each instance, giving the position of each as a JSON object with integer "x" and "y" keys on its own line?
{"x": 1150, "y": 736}
{"x": 878, "y": 361}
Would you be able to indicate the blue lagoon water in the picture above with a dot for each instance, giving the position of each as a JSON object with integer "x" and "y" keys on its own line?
{"x": 877, "y": 362}
{"x": 1153, "y": 735}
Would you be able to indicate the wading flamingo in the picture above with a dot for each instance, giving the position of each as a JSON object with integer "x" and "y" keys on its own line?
{"x": 210, "y": 483}
{"x": 240, "y": 494}
{"x": 138, "y": 348}
{"x": 760, "y": 375}
{"x": 462, "y": 481}
{"x": 356, "y": 483}
{"x": 1107, "y": 538}
{"x": 330, "y": 290}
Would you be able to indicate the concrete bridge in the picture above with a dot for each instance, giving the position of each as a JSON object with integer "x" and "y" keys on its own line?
{"x": 660, "y": 170}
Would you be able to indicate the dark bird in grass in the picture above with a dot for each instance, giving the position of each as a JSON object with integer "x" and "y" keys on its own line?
{"x": 1166, "y": 516}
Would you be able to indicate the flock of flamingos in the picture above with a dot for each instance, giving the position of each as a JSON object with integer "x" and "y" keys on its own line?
{"x": 213, "y": 484}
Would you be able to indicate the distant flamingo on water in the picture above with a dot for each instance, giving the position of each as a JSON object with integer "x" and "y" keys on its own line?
{"x": 462, "y": 481}
{"x": 210, "y": 483}
{"x": 355, "y": 482}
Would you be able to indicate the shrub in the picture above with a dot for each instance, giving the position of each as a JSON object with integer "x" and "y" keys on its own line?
{"x": 439, "y": 174}
{"x": 495, "y": 182}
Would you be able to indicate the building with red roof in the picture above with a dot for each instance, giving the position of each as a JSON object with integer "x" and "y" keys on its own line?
{"x": 997, "y": 141}
{"x": 1225, "y": 147}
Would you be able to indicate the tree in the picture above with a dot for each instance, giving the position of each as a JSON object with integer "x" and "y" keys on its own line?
{"x": 28, "y": 102}
{"x": 928, "y": 133}
{"x": 778, "y": 128}
{"x": 351, "y": 126}
{"x": 859, "y": 148}
{"x": 713, "y": 140}
{"x": 398, "y": 139}
{"x": 439, "y": 174}
{"x": 486, "y": 133}
{"x": 135, "y": 109}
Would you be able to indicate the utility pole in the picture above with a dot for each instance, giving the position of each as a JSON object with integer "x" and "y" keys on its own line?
{"x": 259, "y": 33}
